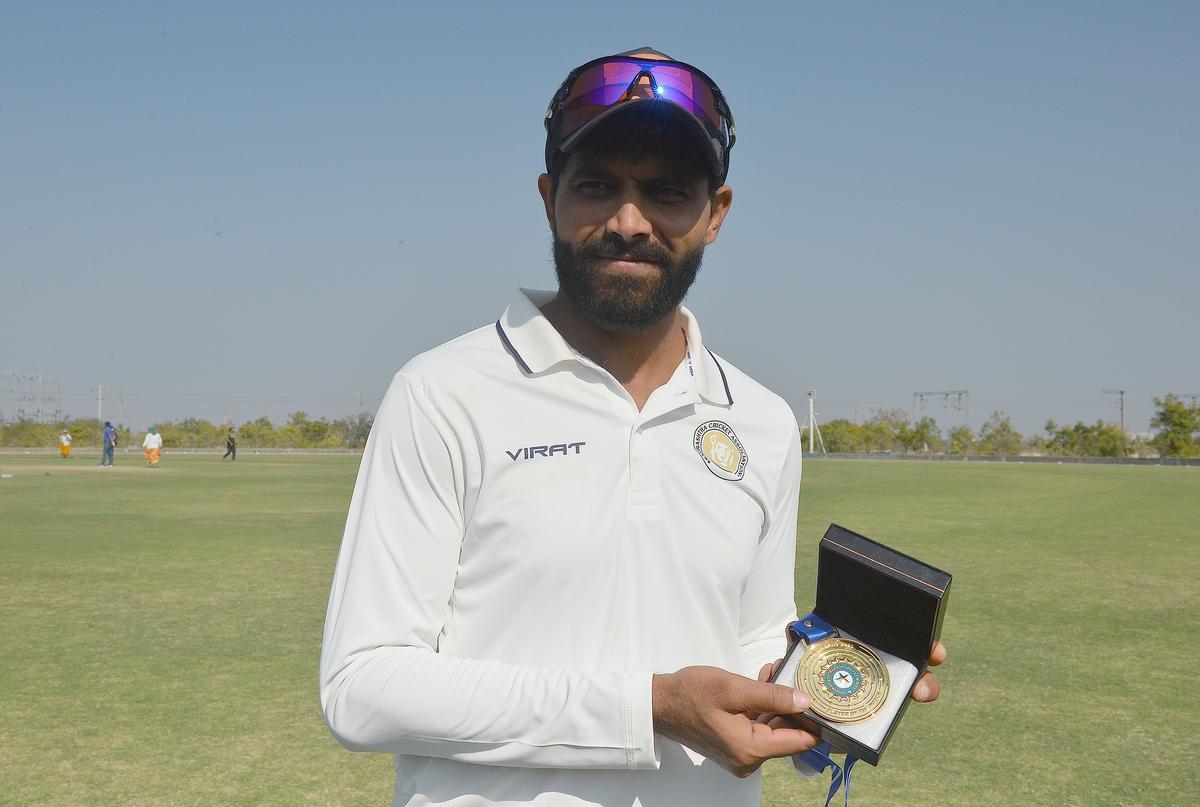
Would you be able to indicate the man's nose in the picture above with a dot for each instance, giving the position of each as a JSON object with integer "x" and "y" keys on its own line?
{"x": 628, "y": 221}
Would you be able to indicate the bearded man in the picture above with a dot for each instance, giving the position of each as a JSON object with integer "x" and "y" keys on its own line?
{"x": 571, "y": 545}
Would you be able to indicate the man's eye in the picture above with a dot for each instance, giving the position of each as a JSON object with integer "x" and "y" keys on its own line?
{"x": 670, "y": 194}
{"x": 591, "y": 186}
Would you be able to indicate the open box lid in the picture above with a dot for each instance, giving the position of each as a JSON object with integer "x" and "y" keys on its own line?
{"x": 884, "y": 597}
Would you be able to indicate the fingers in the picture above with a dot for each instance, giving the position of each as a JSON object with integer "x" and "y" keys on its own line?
{"x": 937, "y": 655}
{"x": 772, "y": 699}
{"x": 927, "y": 688}
{"x": 781, "y": 741}
{"x": 768, "y": 670}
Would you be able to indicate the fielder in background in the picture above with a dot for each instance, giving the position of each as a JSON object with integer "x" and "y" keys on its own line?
{"x": 230, "y": 446}
{"x": 152, "y": 445}
{"x": 64, "y": 443}
{"x": 110, "y": 443}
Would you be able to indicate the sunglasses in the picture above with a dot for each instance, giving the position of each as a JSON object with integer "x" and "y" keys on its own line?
{"x": 593, "y": 88}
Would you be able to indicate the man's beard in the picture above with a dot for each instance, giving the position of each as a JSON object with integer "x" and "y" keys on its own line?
{"x": 624, "y": 302}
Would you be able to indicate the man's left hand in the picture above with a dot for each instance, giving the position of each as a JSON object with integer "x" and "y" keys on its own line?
{"x": 927, "y": 687}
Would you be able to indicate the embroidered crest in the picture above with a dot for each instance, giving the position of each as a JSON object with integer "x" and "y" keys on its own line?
{"x": 721, "y": 450}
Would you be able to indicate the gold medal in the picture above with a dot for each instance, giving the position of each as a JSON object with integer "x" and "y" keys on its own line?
{"x": 846, "y": 681}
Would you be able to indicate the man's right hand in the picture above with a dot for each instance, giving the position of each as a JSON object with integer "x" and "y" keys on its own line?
{"x": 710, "y": 711}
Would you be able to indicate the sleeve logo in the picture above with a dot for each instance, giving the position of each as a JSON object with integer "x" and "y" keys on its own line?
{"x": 721, "y": 450}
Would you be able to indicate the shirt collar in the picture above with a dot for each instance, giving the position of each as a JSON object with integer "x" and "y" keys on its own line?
{"x": 537, "y": 347}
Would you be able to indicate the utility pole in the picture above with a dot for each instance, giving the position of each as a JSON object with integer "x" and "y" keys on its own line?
{"x": 100, "y": 403}
{"x": 1121, "y": 393}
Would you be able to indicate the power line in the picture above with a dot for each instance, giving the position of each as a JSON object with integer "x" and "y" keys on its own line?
{"x": 960, "y": 399}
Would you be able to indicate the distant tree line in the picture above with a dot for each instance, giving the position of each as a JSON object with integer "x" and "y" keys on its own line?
{"x": 300, "y": 431}
{"x": 887, "y": 431}
{"x": 892, "y": 431}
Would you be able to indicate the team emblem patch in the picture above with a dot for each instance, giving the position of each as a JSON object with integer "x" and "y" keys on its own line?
{"x": 721, "y": 450}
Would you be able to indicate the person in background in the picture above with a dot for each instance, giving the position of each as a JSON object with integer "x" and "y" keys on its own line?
{"x": 230, "y": 445}
{"x": 64, "y": 443}
{"x": 110, "y": 443}
{"x": 152, "y": 445}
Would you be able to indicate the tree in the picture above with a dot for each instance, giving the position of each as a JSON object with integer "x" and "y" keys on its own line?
{"x": 354, "y": 430}
{"x": 1177, "y": 424}
{"x": 961, "y": 441}
{"x": 1100, "y": 440}
{"x": 998, "y": 437}
{"x": 841, "y": 436}
{"x": 258, "y": 433}
{"x": 923, "y": 436}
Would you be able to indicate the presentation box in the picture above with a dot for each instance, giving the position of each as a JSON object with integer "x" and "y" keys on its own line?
{"x": 892, "y": 603}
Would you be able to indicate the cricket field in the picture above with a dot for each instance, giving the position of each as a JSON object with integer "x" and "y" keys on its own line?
{"x": 161, "y": 628}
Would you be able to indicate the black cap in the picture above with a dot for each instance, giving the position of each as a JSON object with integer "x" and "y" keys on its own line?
{"x": 716, "y": 153}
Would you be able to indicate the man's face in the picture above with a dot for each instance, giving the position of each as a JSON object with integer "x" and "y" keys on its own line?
{"x": 629, "y": 234}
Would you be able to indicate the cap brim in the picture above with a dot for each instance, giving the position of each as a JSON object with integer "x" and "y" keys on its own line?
{"x": 710, "y": 147}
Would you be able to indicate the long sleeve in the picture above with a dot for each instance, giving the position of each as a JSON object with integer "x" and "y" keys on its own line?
{"x": 768, "y": 600}
{"x": 383, "y": 684}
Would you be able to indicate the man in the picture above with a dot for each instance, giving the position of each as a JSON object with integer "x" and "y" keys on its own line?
{"x": 571, "y": 544}
{"x": 230, "y": 446}
{"x": 110, "y": 443}
{"x": 64, "y": 443}
{"x": 152, "y": 446}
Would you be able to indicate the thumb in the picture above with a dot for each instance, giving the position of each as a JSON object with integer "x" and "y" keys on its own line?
{"x": 773, "y": 699}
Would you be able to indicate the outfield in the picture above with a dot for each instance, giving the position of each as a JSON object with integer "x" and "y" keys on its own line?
{"x": 161, "y": 629}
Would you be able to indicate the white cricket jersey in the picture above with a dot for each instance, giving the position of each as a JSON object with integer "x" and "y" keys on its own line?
{"x": 525, "y": 549}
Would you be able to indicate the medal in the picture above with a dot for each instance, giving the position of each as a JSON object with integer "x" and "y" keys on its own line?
{"x": 845, "y": 680}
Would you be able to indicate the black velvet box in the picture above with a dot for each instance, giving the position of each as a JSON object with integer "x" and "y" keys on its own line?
{"x": 887, "y": 600}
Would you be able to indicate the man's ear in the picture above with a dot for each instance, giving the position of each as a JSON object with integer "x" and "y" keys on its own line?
{"x": 546, "y": 189}
{"x": 721, "y": 202}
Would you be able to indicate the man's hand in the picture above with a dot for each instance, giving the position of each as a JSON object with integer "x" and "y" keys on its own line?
{"x": 709, "y": 710}
{"x": 927, "y": 687}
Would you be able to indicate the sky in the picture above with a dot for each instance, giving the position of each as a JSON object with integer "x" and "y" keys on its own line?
{"x": 241, "y": 209}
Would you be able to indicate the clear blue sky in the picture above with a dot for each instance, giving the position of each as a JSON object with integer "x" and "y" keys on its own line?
{"x": 244, "y": 209}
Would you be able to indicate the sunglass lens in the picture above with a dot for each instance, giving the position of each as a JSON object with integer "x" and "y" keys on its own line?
{"x": 603, "y": 84}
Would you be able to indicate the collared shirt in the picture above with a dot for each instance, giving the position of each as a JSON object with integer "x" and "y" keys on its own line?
{"x": 525, "y": 549}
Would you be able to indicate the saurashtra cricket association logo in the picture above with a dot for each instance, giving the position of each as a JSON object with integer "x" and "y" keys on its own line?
{"x": 721, "y": 450}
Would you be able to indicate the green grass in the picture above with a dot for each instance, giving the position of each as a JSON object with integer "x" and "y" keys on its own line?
{"x": 161, "y": 629}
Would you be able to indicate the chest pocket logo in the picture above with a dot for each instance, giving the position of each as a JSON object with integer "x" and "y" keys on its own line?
{"x": 721, "y": 450}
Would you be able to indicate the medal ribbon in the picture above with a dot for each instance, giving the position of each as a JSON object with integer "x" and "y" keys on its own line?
{"x": 818, "y": 759}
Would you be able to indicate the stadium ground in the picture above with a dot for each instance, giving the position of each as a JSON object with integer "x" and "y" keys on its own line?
{"x": 161, "y": 629}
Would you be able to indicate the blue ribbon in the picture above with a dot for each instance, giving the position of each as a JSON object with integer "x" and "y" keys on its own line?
{"x": 811, "y": 628}
{"x": 818, "y": 759}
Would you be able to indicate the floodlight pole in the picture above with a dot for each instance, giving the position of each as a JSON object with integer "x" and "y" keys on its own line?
{"x": 1121, "y": 393}
{"x": 812, "y": 423}
{"x": 814, "y": 432}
